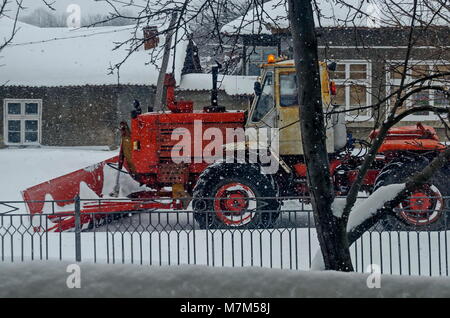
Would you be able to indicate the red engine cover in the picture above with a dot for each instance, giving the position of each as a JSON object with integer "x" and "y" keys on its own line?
{"x": 154, "y": 131}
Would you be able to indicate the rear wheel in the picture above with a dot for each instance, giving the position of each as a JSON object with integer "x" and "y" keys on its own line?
{"x": 425, "y": 208}
{"x": 229, "y": 196}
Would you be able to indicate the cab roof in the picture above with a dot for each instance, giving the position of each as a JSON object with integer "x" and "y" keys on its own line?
{"x": 279, "y": 62}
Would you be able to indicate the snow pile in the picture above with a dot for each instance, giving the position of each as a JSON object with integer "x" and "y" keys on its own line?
{"x": 48, "y": 279}
{"x": 366, "y": 206}
{"x": 231, "y": 84}
{"x": 364, "y": 210}
{"x": 338, "y": 206}
{"x": 23, "y": 168}
{"x": 65, "y": 56}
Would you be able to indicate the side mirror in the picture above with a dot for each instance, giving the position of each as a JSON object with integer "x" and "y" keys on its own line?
{"x": 332, "y": 66}
{"x": 257, "y": 88}
{"x": 137, "y": 106}
{"x": 137, "y": 109}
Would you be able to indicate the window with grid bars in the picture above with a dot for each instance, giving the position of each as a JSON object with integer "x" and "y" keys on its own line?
{"x": 22, "y": 121}
{"x": 353, "y": 81}
{"x": 418, "y": 70}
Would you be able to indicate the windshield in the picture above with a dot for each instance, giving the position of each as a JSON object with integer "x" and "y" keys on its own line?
{"x": 265, "y": 101}
{"x": 288, "y": 89}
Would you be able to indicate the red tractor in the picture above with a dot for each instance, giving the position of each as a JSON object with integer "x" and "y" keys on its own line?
{"x": 173, "y": 158}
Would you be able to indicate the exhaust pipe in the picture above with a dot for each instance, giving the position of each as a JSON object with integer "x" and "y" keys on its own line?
{"x": 214, "y": 107}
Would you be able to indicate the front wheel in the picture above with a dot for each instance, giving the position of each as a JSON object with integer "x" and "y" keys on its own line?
{"x": 235, "y": 196}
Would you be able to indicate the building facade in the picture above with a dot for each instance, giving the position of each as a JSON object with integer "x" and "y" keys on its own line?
{"x": 368, "y": 68}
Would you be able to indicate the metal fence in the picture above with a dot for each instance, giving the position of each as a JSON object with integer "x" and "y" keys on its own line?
{"x": 174, "y": 237}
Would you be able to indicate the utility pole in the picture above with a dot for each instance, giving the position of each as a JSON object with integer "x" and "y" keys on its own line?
{"x": 158, "y": 104}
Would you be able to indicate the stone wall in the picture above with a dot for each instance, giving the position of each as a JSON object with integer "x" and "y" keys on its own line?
{"x": 90, "y": 115}
{"x": 72, "y": 116}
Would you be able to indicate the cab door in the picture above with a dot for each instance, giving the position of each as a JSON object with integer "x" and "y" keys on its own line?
{"x": 263, "y": 113}
{"x": 286, "y": 94}
{"x": 287, "y": 106}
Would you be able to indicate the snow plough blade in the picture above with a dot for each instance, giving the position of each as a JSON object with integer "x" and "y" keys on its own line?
{"x": 56, "y": 198}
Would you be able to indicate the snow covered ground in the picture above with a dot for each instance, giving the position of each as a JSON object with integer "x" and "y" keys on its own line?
{"x": 48, "y": 279}
{"x": 408, "y": 253}
{"x": 173, "y": 238}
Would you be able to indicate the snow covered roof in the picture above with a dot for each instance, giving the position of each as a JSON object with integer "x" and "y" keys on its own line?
{"x": 272, "y": 16}
{"x": 231, "y": 84}
{"x": 64, "y": 57}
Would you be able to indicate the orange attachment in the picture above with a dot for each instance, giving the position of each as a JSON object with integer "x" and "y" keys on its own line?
{"x": 409, "y": 132}
{"x": 410, "y": 138}
{"x": 411, "y": 145}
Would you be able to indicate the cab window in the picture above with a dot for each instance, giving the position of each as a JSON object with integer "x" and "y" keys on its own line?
{"x": 288, "y": 90}
{"x": 265, "y": 101}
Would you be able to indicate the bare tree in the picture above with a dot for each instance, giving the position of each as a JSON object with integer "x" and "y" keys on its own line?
{"x": 11, "y": 9}
{"x": 4, "y": 10}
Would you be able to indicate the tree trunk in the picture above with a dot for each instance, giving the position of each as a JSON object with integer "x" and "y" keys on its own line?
{"x": 331, "y": 231}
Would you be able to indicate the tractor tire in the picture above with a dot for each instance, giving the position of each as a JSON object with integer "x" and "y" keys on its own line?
{"x": 227, "y": 196}
{"x": 425, "y": 210}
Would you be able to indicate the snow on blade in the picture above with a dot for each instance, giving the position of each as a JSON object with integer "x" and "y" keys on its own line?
{"x": 24, "y": 168}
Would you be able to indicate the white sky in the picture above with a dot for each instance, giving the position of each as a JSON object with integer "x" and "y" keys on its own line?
{"x": 87, "y": 6}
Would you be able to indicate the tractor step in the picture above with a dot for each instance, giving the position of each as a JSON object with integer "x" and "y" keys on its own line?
{"x": 96, "y": 210}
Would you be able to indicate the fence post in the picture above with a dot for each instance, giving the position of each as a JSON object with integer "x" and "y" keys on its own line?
{"x": 77, "y": 229}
